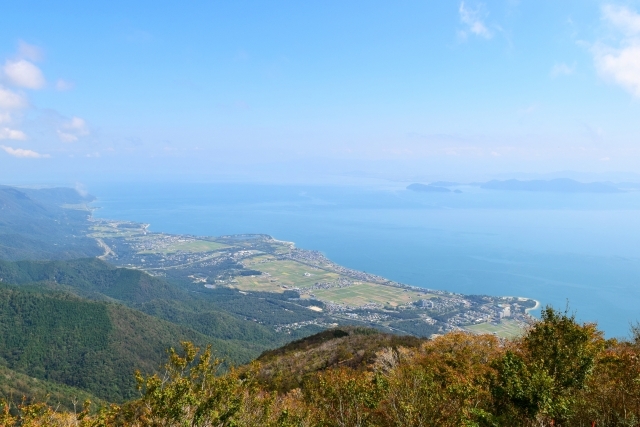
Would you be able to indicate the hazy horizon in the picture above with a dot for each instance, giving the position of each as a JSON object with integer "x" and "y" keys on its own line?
{"x": 322, "y": 92}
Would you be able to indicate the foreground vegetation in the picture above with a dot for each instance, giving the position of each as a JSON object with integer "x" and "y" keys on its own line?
{"x": 559, "y": 373}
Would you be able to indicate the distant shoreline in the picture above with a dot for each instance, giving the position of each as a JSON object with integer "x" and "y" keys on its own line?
{"x": 535, "y": 307}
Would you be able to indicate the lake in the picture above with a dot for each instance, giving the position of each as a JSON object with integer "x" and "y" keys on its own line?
{"x": 583, "y": 249}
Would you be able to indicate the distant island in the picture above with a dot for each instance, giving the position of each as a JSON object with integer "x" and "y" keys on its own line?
{"x": 431, "y": 188}
{"x": 559, "y": 185}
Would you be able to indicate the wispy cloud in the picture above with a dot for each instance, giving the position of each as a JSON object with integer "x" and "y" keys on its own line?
{"x": 473, "y": 19}
{"x": 22, "y": 153}
{"x": 620, "y": 64}
{"x": 562, "y": 69}
{"x": 63, "y": 85}
{"x": 7, "y": 133}
{"x": 10, "y": 104}
{"x": 10, "y": 100}
{"x": 29, "y": 51}
{"x": 72, "y": 130}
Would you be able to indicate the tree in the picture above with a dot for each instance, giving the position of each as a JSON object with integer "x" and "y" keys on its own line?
{"x": 189, "y": 393}
{"x": 541, "y": 377}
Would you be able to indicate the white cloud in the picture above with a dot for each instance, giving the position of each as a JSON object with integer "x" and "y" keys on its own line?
{"x": 72, "y": 130}
{"x": 66, "y": 137}
{"x": 10, "y": 100}
{"x": 620, "y": 64}
{"x": 77, "y": 124}
{"x": 7, "y": 133}
{"x": 22, "y": 153}
{"x": 63, "y": 85}
{"x": 5, "y": 117}
{"x": 562, "y": 69}
{"x": 622, "y": 18}
{"x": 472, "y": 18}
{"x": 24, "y": 74}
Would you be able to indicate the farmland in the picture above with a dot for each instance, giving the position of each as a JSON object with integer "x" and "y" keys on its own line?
{"x": 279, "y": 275}
{"x": 192, "y": 246}
{"x": 506, "y": 328}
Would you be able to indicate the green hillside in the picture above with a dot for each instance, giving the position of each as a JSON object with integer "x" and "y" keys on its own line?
{"x": 220, "y": 313}
{"x": 87, "y": 324}
{"x": 15, "y": 386}
{"x": 91, "y": 278}
{"x": 94, "y": 346}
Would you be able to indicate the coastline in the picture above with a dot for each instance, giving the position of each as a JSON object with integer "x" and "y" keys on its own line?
{"x": 537, "y": 306}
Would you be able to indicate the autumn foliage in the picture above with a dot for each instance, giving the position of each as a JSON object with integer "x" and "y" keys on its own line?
{"x": 560, "y": 373}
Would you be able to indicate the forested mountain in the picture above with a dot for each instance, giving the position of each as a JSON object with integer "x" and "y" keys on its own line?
{"x": 219, "y": 313}
{"x": 38, "y": 224}
{"x": 560, "y": 373}
{"x": 94, "y": 346}
{"x": 86, "y": 324}
{"x": 91, "y": 278}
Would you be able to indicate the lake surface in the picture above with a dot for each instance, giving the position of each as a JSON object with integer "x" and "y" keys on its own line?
{"x": 580, "y": 248}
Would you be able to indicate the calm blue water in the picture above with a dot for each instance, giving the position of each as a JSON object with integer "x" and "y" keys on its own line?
{"x": 584, "y": 248}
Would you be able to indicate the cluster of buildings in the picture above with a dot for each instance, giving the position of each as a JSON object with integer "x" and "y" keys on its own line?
{"x": 340, "y": 283}
{"x": 448, "y": 311}
{"x": 287, "y": 328}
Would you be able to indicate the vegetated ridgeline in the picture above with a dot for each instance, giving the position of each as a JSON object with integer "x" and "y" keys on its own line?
{"x": 560, "y": 373}
{"x": 34, "y": 224}
{"x": 93, "y": 346}
{"x": 218, "y": 314}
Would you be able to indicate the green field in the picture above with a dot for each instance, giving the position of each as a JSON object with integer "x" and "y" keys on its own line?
{"x": 193, "y": 246}
{"x": 505, "y": 329}
{"x": 287, "y": 273}
{"x": 112, "y": 232}
{"x": 292, "y": 275}
{"x": 363, "y": 293}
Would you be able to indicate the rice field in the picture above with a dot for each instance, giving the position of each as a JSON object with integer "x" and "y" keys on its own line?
{"x": 506, "y": 329}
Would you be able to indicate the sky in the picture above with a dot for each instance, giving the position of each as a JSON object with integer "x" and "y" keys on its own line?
{"x": 318, "y": 91}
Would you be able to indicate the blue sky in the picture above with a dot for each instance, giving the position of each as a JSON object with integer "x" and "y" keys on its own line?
{"x": 317, "y": 91}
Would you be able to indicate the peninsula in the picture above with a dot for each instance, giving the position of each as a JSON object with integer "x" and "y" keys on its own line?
{"x": 258, "y": 263}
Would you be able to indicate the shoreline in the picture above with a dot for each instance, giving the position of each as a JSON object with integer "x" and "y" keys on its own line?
{"x": 535, "y": 307}
{"x": 145, "y": 227}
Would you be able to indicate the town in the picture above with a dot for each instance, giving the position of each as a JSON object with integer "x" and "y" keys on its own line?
{"x": 260, "y": 263}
